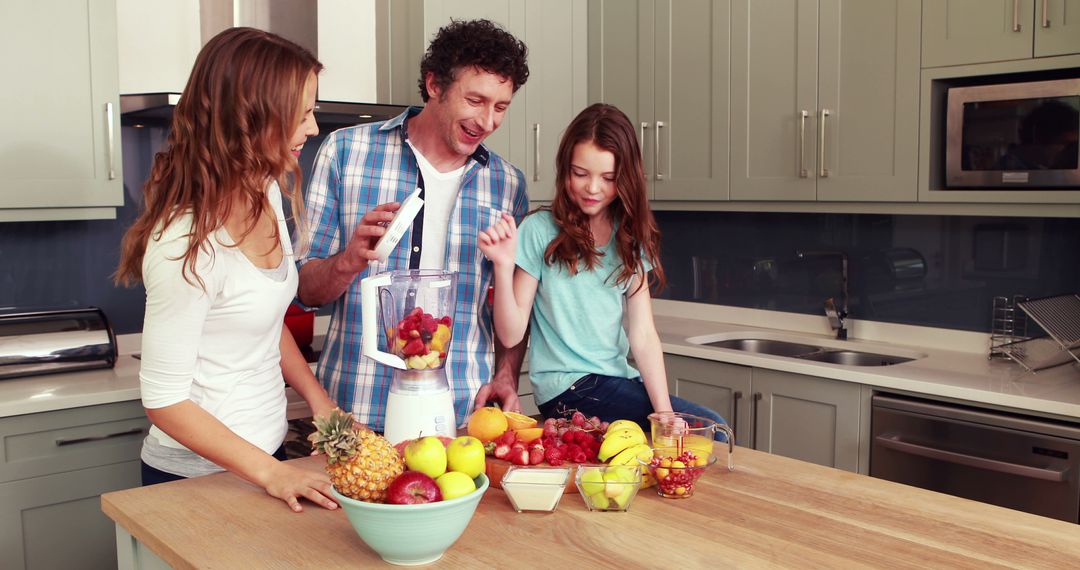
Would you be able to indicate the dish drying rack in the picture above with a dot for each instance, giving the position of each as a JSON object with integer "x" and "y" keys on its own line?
{"x": 1059, "y": 316}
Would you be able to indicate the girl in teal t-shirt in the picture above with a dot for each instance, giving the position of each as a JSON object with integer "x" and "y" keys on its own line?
{"x": 577, "y": 270}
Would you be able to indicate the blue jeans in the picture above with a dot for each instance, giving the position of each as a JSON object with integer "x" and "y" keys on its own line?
{"x": 610, "y": 398}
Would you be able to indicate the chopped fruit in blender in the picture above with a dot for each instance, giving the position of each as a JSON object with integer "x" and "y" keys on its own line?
{"x": 414, "y": 348}
{"x": 421, "y": 334}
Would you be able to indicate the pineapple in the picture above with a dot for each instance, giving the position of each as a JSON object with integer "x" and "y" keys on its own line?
{"x": 360, "y": 462}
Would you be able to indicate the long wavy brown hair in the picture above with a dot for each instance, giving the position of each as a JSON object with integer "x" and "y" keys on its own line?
{"x": 636, "y": 232}
{"x": 230, "y": 137}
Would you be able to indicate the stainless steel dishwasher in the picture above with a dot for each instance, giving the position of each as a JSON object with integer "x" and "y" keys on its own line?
{"x": 1016, "y": 461}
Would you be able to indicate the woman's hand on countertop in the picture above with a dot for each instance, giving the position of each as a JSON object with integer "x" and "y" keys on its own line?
{"x": 289, "y": 483}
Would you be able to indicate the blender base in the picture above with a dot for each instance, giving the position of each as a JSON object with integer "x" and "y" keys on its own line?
{"x": 410, "y": 416}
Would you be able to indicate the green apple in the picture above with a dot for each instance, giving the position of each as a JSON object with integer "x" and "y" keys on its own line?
{"x": 454, "y": 484}
{"x": 599, "y": 501}
{"x": 466, "y": 454}
{"x": 426, "y": 455}
{"x": 620, "y": 483}
{"x": 592, "y": 481}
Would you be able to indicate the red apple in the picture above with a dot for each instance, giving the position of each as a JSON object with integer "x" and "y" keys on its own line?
{"x": 413, "y": 487}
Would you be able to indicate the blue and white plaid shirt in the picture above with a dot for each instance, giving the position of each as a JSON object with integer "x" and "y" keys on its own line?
{"x": 360, "y": 167}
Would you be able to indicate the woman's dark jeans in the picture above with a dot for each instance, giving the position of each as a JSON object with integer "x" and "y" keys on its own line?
{"x": 610, "y": 398}
{"x": 153, "y": 476}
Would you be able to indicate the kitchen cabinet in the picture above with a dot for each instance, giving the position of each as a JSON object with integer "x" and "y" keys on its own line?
{"x": 802, "y": 417}
{"x": 957, "y": 32}
{"x": 555, "y": 33}
{"x": 53, "y": 467}
{"x": 825, "y": 100}
{"x": 665, "y": 64}
{"x": 60, "y": 154}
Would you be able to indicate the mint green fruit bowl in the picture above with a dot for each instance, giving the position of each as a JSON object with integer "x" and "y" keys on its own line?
{"x": 410, "y": 535}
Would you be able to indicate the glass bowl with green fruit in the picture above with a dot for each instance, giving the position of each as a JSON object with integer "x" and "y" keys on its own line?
{"x": 676, "y": 470}
{"x": 608, "y": 487}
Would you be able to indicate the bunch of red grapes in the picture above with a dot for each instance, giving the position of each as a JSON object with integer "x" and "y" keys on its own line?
{"x": 574, "y": 440}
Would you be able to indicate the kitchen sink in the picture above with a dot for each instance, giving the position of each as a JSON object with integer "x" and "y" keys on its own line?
{"x": 855, "y": 358}
{"x": 815, "y": 353}
{"x": 766, "y": 346}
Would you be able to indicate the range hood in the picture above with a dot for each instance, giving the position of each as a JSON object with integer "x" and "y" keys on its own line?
{"x": 155, "y": 109}
{"x": 166, "y": 47}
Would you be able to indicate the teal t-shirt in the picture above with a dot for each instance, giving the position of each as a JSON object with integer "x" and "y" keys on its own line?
{"x": 577, "y": 321}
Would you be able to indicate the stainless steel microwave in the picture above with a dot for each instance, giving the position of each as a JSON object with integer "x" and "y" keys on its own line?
{"x": 1014, "y": 135}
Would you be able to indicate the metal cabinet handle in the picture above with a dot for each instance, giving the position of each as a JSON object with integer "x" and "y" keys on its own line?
{"x": 1046, "y": 13}
{"x": 536, "y": 152}
{"x": 111, "y": 146}
{"x": 735, "y": 397}
{"x": 895, "y": 443}
{"x": 132, "y": 431}
{"x": 656, "y": 150}
{"x": 823, "y": 170}
{"x": 1016, "y": 16}
{"x": 642, "y": 139}
{"x": 753, "y": 419}
{"x": 803, "y": 172}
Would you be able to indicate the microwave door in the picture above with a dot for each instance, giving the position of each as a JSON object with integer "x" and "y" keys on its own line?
{"x": 1021, "y": 135}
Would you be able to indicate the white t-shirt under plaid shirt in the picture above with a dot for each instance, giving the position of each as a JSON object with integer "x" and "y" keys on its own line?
{"x": 358, "y": 168}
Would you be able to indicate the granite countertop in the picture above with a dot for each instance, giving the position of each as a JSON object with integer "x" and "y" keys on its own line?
{"x": 949, "y": 364}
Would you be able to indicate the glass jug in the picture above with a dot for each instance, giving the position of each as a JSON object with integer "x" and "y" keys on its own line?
{"x": 687, "y": 431}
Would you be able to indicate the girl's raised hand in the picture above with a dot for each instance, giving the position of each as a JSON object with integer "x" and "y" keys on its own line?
{"x": 499, "y": 242}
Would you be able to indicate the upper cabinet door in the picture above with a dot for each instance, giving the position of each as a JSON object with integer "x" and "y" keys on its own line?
{"x": 556, "y": 33}
{"x": 774, "y": 60}
{"x": 61, "y": 125}
{"x": 621, "y": 63}
{"x": 868, "y": 101}
{"x": 691, "y": 100}
{"x": 957, "y": 32}
{"x": 1057, "y": 27}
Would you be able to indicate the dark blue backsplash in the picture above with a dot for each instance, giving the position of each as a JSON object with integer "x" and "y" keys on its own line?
{"x": 939, "y": 271}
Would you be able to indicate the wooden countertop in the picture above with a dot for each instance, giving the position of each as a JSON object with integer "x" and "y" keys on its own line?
{"x": 771, "y": 511}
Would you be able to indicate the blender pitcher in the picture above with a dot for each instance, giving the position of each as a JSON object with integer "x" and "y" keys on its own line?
{"x": 415, "y": 308}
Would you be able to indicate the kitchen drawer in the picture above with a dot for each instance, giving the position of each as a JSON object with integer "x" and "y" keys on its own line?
{"x": 64, "y": 440}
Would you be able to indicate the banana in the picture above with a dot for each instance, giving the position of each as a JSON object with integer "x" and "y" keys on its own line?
{"x": 618, "y": 425}
{"x": 630, "y": 455}
{"x": 619, "y": 441}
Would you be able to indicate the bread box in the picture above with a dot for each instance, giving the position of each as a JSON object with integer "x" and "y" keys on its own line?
{"x": 52, "y": 341}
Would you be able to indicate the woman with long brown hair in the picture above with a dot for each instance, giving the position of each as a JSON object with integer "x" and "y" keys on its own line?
{"x": 576, "y": 269}
{"x": 213, "y": 251}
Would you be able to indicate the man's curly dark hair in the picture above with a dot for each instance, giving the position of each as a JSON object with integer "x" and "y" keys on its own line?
{"x": 473, "y": 43}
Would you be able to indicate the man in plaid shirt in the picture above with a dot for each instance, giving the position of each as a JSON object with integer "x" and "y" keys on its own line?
{"x": 468, "y": 77}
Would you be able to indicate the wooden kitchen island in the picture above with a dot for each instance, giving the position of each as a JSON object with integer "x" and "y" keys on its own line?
{"x": 770, "y": 512}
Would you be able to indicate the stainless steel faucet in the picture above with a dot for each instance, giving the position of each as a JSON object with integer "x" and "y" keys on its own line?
{"x": 836, "y": 316}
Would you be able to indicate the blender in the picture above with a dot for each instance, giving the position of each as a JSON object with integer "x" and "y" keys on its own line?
{"x": 414, "y": 308}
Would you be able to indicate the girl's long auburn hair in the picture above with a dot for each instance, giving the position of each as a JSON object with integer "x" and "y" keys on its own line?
{"x": 636, "y": 231}
{"x": 230, "y": 136}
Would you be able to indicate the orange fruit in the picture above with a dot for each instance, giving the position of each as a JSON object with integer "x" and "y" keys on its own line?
{"x": 518, "y": 421}
{"x": 487, "y": 423}
{"x": 529, "y": 435}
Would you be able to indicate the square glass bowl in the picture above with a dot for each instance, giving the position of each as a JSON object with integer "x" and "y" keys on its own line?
{"x": 535, "y": 488}
{"x": 608, "y": 487}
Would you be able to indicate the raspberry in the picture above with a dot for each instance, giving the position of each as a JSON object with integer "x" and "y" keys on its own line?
{"x": 569, "y": 437}
{"x": 554, "y": 456}
{"x": 580, "y": 457}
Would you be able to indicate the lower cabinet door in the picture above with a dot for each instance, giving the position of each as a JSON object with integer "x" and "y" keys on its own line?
{"x": 55, "y": 521}
{"x": 722, "y": 387}
{"x": 807, "y": 418}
